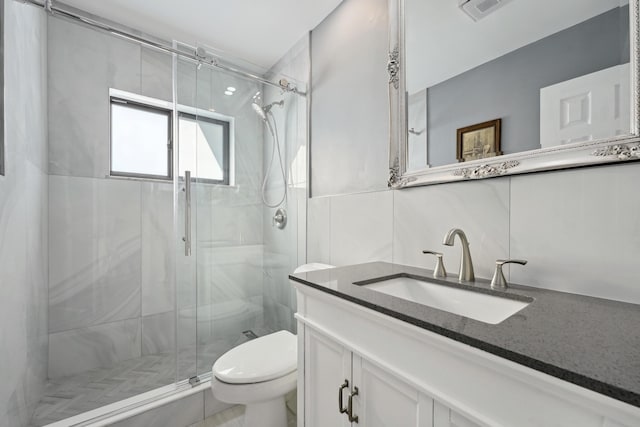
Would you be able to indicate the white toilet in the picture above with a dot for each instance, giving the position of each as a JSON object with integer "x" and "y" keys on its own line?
{"x": 259, "y": 373}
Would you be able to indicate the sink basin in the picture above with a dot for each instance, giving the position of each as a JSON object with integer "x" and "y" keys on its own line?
{"x": 486, "y": 308}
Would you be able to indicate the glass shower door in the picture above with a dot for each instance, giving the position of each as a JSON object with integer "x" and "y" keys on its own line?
{"x": 220, "y": 142}
{"x": 233, "y": 260}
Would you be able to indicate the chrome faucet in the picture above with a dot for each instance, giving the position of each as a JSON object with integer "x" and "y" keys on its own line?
{"x": 466, "y": 265}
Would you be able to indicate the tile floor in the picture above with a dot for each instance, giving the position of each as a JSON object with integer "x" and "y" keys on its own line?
{"x": 73, "y": 395}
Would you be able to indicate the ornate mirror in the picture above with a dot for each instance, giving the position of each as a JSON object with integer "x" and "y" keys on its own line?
{"x": 485, "y": 88}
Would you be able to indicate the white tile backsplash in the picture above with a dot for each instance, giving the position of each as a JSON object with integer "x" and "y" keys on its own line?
{"x": 319, "y": 230}
{"x": 580, "y": 231}
{"x": 361, "y": 228}
{"x": 423, "y": 215}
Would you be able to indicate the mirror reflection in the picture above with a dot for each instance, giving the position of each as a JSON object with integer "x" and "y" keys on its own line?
{"x": 492, "y": 77}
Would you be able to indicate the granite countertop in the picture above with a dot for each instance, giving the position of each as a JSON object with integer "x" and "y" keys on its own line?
{"x": 590, "y": 342}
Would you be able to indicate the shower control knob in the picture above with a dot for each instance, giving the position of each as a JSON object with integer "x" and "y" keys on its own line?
{"x": 280, "y": 218}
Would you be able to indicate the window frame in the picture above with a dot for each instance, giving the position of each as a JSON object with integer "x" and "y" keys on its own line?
{"x": 226, "y": 137}
{"x": 150, "y": 107}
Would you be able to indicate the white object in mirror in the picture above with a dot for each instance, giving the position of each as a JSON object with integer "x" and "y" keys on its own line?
{"x": 562, "y": 77}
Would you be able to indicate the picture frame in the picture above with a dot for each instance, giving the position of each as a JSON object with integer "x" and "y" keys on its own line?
{"x": 479, "y": 141}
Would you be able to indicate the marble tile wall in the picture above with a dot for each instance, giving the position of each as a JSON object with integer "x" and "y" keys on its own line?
{"x": 112, "y": 271}
{"x": 285, "y": 249}
{"x": 95, "y": 246}
{"x": 116, "y": 258}
{"x": 422, "y": 216}
{"x": 83, "y": 65}
{"x": 580, "y": 231}
{"x": 577, "y": 228}
{"x": 82, "y": 349}
{"x": 23, "y": 216}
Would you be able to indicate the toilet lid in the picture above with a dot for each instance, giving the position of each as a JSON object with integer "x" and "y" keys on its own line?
{"x": 261, "y": 359}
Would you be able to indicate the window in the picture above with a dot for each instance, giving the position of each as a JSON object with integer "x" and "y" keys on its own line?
{"x": 204, "y": 148}
{"x": 141, "y": 133}
{"x": 140, "y": 140}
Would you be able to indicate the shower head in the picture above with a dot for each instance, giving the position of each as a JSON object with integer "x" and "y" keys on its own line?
{"x": 259, "y": 111}
{"x": 262, "y": 111}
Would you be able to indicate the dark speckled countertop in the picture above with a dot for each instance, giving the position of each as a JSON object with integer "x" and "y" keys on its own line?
{"x": 591, "y": 342}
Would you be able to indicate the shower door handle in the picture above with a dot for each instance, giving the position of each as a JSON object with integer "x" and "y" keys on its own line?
{"x": 187, "y": 213}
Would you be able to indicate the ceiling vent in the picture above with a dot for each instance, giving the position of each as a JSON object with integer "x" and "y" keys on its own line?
{"x": 478, "y": 9}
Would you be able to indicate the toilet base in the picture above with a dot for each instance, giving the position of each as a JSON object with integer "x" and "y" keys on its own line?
{"x": 271, "y": 413}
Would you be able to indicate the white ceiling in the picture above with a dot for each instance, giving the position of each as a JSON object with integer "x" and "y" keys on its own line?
{"x": 257, "y": 31}
{"x": 442, "y": 41}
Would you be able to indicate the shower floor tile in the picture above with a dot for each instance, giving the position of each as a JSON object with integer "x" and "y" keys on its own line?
{"x": 75, "y": 394}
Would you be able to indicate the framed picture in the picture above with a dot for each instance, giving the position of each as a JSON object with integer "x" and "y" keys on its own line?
{"x": 479, "y": 141}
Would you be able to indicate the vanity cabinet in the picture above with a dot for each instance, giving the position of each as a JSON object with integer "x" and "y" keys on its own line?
{"x": 447, "y": 417}
{"x": 409, "y": 376}
{"x": 333, "y": 373}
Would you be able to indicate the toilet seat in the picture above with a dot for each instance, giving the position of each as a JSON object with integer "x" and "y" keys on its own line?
{"x": 263, "y": 359}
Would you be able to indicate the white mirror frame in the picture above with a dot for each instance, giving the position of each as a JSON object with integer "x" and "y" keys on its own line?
{"x": 596, "y": 152}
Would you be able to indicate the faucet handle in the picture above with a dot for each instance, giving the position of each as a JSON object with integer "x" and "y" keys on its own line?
{"x": 439, "y": 271}
{"x": 499, "y": 281}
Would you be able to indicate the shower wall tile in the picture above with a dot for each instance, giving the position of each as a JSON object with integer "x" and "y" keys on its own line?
{"x": 23, "y": 216}
{"x": 186, "y": 82}
{"x": 222, "y": 323}
{"x": 82, "y": 65}
{"x": 158, "y": 333}
{"x": 285, "y": 248}
{"x": 102, "y": 346}
{"x": 423, "y": 215}
{"x": 361, "y": 228}
{"x": 157, "y": 74}
{"x": 37, "y": 255}
{"x": 95, "y": 245}
{"x": 319, "y": 230}
{"x": 228, "y": 273}
{"x": 579, "y": 230}
{"x": 293, "y": 64}
{"x": 222, "y": 217}
{"x": 301, "y": 240}
{"x": 158, "y": 254}
{"x": 249, "y": 138}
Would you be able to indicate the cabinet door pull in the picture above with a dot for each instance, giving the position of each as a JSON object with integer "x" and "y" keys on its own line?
{"x": 352, "y": 418}
{"x": 341, "y": 407}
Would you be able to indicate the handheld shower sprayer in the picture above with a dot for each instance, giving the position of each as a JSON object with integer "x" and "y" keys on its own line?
{"x": 263, "y": 113}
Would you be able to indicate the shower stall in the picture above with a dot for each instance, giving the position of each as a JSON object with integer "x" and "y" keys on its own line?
{"x": 177, "y": 207}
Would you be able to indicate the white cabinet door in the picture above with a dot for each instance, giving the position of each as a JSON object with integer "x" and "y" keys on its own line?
{"x": 326, "y": 366}
{"x": 384, "y": 401}
{"x": 446, "y": 417}
{"x": 586, "y": 108}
